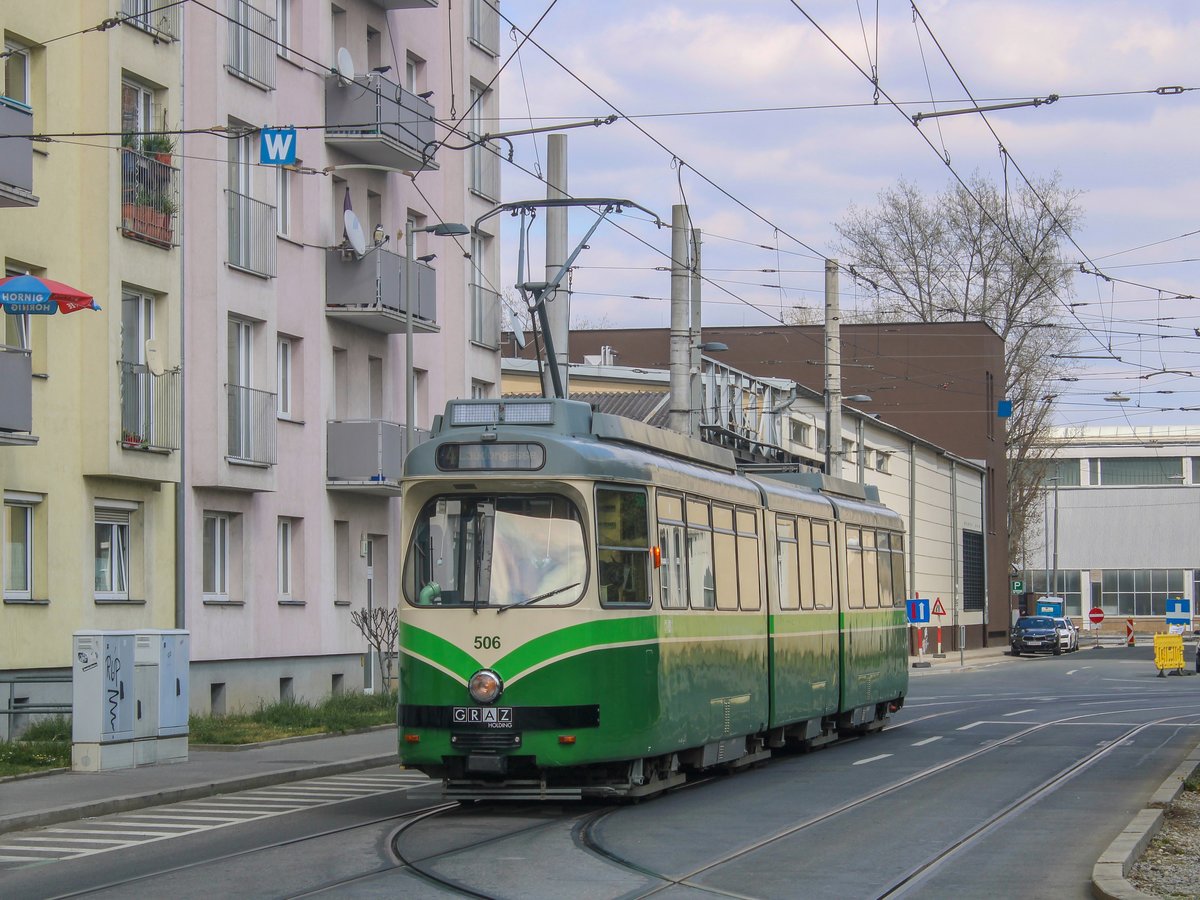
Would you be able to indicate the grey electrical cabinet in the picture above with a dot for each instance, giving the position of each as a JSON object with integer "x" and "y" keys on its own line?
{"x": 102, "y": 708}
{"x": 161, "y": 688}
{"x": 173, "y": 661}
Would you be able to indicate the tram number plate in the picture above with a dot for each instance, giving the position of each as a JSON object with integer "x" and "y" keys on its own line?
{"x": 489, "y": 717}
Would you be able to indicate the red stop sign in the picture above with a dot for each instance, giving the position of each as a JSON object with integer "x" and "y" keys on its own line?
{"x": 1096, "y": 615}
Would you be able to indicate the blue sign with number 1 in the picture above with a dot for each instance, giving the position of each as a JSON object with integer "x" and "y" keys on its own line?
{"x": 918, "y": 611}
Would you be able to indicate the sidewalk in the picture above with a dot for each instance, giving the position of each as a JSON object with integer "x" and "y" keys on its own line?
{"x": 67, "y": 796}
{"x": 953, "y": 659}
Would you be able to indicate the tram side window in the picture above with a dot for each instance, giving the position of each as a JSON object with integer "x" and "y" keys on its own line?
{"x": 747, "y": 556}
{"x": 671, "y": 544}
{"x": 623, "y": 546}
{"x": 725, "y": 554}
{"x": 789, "y": 578}
{"x": 898, "y": 591}
{"x": 702, "y": 585}
{"x": 822, "y": 566}
{"x": 886, "y": 596}
{"x": 805, "y": 546}
{"x": 854, "y": 568}
{"x": 870, "y": 570}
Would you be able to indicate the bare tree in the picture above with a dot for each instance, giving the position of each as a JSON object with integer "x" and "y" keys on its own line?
{"x": 379, "y": 626}
{"x": 977, "y": 252}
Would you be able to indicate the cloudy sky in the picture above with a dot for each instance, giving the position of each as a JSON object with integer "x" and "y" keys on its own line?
{"x": 756, "y": 112}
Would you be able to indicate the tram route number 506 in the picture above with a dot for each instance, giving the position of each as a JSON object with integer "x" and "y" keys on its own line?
{"x": 487, "y": 642}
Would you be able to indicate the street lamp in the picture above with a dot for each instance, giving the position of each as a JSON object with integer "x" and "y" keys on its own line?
{"x": 441, "y": 229}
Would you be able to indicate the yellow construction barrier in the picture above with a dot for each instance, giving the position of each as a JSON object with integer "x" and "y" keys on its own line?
{"x": 1168, "y": 653}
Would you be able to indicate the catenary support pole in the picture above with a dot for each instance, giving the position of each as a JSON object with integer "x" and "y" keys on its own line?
{"x": 696, "y": 400}
{"x": 681, "y": 351}
{"x": 833, "y": 372}
{"x": 558, "y": 304}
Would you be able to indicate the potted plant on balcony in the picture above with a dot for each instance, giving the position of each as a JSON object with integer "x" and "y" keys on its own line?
{"x": 160, "y": 146}
{"x": 148, "y": 216}
{"x": 132, "y": 440}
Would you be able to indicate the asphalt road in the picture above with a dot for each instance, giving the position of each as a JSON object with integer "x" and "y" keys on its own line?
{"x": 1006, "y": 780}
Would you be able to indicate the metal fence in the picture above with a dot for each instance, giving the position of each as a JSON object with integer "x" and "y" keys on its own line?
{"x": 251, "y": 424}
{"x": 149, "y": 198}
{"x": 368, "y": 449}
{"x": 251, "y": 234}
{"x": 150, "y": 407}
{"x": 485, "y": 316}
{"x": 251, "y": 44}
{"x": 151, "y": 17}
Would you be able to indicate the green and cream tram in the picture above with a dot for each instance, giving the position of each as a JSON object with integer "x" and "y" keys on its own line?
{"x": 590, "y": 606}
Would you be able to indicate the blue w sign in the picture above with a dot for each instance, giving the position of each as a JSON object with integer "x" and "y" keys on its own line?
{"x": 277, "y": 147}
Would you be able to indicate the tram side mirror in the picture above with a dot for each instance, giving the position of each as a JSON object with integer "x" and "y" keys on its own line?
{"x": 430, "y": 594}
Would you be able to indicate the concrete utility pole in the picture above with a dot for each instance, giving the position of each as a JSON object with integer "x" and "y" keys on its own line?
{"x": 833, "y": 372}
{"x": 679, "y": 417}
{"x": 697, "y": 388}
{"x": 558, "y": 304}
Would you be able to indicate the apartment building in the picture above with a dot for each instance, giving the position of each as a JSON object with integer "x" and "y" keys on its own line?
{"x": 90, "y": 500}
{"x": 296, "y": 329}
{"x": 219, "y": 447}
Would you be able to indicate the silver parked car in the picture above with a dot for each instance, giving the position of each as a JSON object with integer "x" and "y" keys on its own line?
{"x": 1068, "y": 634}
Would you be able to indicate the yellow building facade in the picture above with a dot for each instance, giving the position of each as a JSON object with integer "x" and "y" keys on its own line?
{"x": 89, "y": 524}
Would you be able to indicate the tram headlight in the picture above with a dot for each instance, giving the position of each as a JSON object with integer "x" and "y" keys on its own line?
{"x": 485, "y": 686}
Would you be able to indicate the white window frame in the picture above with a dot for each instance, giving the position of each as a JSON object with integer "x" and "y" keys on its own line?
{"x": 283, "y": 28}
{"x": 283, "y": 202}
{"x": 285, "y": 556}
{"x": 17, "y": 51}
{"x": 284, "y": 358}
{"x": 11, "y": 506}
{"x": 144, "y": 109}
{"x": 220, "y": 558}
{"x": 18, "y": 324}
{"x": 112, "y": 521}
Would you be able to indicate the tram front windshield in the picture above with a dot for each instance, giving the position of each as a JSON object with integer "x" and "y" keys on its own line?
{"x": 497, "y": 551}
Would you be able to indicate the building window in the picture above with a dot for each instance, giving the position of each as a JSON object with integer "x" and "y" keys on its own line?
{"x": 973, "y": 575}
{"x": 216, "y": 556}
{"x": 112, "y": 554}
{"x": 801, "y": 433}
{"x": 1065, "y": 584}
{"x": 480, "y": 390}
{"x": 1139, "y": 592}
{"x": 283, "y": 202}
{"x": 414, "y": 70}
{"x": 283, "y": 24}
{"x": 18, "y": 551}
{"x": 881, "y": 461}
{"x": 283, "y": 396}
{"x": 137, "y": 113}
{"x": 16, "y": 72}
{"x": 285, "y": 559}
{"x": 1141, "y": 470}
{"x": 16, "y": 328}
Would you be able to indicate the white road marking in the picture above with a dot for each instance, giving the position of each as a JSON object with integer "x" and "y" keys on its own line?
{"x": 871, "y": 759}
{"x": 1019, "y": 712}
{"x": 967, "y": 727}
{"x": 927, "y": 741}
{"x": 190, "y": 817}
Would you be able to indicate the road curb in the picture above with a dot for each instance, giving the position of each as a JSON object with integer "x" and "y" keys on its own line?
{"x": 1109, "y": 880}
{"x": 189, "y": 792}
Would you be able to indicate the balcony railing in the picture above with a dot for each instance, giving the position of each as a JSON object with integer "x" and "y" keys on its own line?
{"x": 16, "y": 154}
{"x": 378, "y": 122}
{"x": 149, "y": 198}
{"x": 16, "y": 399}
{"x": 150, "y": 407}
{"x": 485, "y": 316}
{"x": 368, "y": 451}
{"x": 251, "y": 44}
{"x": 151, "y": 17}
{"x": 485, "y": 171}
{"x": 251, "y": 234}
{"x": 405, "y": 4}
{"x": 372, "y": 291}
{"x": 485, "y": 26}
{"x": 251, "y": 425}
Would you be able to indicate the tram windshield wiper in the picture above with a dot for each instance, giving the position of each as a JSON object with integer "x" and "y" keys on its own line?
{"x": 542, "y": 596}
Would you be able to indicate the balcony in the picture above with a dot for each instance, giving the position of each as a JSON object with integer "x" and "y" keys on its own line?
{"x": 251, "y": 45}
{"x": 372, "y": 292}
{"x": 149, "y": 198}
{"x": 367, "y": 456}
{"x": 150, "y": 407}
{"x": 16, "y": 400}
{"x": 485, "y": 317}
{"x": 251, "y": 234}
{"x": 251, "y": 426}
{"x": 151, "y": 17}
{"x": 485, "y": 171}
{"x": 377, "y": 122}
{"x": 16, "y": 155}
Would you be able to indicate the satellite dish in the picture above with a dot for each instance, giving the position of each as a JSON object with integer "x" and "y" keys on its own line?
{"x": 345, "y": 66}
{"x": 518, "y": 333}
{"x": 154, "y": 357}
{"x": 354, "y": 232}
